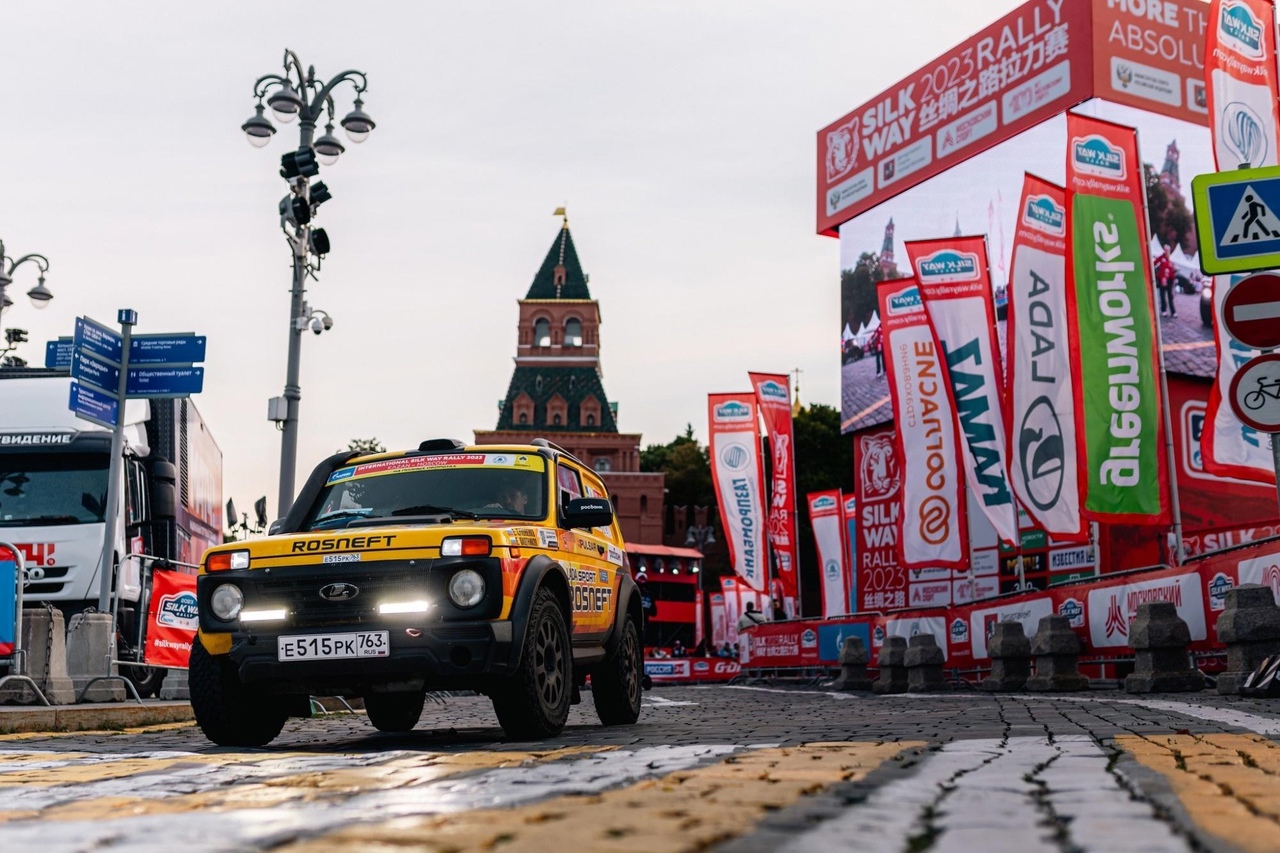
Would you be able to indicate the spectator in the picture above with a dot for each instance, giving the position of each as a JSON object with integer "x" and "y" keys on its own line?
{"x": 725, "y": 651}
{"x": 876, "y": 345}
{"x": 779, "y": 612}
{"x": 750, "y": 618}
{"x": 1165, "y": 275}
{"x": 660, "y": 653}
{"x": 678, "y": 650}
{"x": 701, "y": 650}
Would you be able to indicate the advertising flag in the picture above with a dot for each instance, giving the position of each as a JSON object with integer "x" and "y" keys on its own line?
{"x": 1240, "y": 74}
{"x": 738, "y": 475}
{"x": 825, "y": 516}
{"x": 931, "y": 525}
{"x": 849, "y": 517}
{"x": 1228, "y": 448}
{"x": 1112, "y": 329}
{"x": 172, "y": 621}
{"x": 877, "y": 476}
{"x": 1042, "y": 395}
{"x": 773, "y": 396}
{"x": 956, "y": 288}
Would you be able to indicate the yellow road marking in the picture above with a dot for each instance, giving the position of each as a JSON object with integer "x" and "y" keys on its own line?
{"x": 1227, "y": 783}
{"x": 685, "y": 810}
{"x": 137, "y": 730}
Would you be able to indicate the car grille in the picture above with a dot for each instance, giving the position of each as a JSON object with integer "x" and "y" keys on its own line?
{"x": 300, "y": 594}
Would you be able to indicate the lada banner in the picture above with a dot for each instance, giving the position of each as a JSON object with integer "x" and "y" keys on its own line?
{"x": 1240, "y": 71}
{"x": 773, "y": 396}
{"x": 825, "y": 518}
{"x": 956, "y": 288}
{"x": 1112, "y": 327}
{"x": 1042, "y": 397}
{"x": 738, "y": 476}
{"x": 932, "y": 528}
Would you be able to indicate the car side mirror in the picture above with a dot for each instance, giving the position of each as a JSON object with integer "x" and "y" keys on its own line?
{"x": 587, "y": 512}
{"x": 275, "y": 527}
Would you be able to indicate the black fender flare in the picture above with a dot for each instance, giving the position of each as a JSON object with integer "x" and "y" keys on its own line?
{"x": 540, "y": 571}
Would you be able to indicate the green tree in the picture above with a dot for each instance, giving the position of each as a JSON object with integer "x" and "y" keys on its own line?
{"x": 687, "y": 466}
{"x": 824, "y": 460}
{"x": 1171, "y": 222}
{"x": 366, "y": 445}
{"x": 858, "y": 288}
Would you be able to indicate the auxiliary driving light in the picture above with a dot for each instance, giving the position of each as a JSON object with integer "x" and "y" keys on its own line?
{"x": 466, "y": 588}
{"x": 389, "y": 608}
{"x": 226, "y": 601}
{"x": 263, "y": 615}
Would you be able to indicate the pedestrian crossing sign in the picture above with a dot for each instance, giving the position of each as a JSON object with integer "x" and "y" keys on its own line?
{"x": 1238, "y": 219}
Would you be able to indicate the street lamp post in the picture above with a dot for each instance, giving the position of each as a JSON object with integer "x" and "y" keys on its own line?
{"x": 301, "y": 96}
{"x": 39, "y": 295}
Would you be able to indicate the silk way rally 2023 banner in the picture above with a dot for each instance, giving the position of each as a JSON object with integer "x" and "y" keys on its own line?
{"x": 828, "y": 537}
{"x": 1042, "y": 396}
{"x": 773, "y": 396}
{"x": 738, "y": 476}
{"x": 1240, "y": 76}
{"x": 932, "y": 527}
{"x": 956, "y": 288}
{"x": 1113, "y": 332}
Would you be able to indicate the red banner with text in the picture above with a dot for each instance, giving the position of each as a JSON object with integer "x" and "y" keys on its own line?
{"x": 172, "y": 620}
{"x": 773, "y": 396}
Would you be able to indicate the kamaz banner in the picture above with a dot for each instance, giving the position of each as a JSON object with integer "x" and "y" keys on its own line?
{"x": 932, "y": 529}
{"x": 1228, "y": 447}
{"x": 1240, "y": 72}
{"x": 1112, "y": 327}
{"x": 956, "y": 289}
{"x": 172, "y": 621}
{"x": 773, "y": 395}
{"x": 1042, "y": 396}
{"x": 738, "y": 475}
{"x": 825, "y": 517}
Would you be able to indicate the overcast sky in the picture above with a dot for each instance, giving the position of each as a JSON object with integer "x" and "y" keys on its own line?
{"x": 680, "y": 134}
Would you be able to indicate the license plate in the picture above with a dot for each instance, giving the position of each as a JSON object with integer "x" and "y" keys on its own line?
{"x": 365, "y": 644}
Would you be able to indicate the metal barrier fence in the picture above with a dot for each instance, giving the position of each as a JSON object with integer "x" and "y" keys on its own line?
{"x": 144, "y": 609}
{"x": 18, "y": 658}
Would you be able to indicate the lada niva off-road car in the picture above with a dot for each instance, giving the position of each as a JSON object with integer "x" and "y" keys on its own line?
{"x": 498, "y": 569}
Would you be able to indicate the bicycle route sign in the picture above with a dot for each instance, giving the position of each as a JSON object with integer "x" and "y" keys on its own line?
{"x": 1255, "y": 393}
{"x": 1251, "y": 311}
{"x": 1238, "y": 219}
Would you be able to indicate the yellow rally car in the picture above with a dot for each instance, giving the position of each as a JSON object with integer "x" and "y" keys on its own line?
{"x": 496, "y": 569}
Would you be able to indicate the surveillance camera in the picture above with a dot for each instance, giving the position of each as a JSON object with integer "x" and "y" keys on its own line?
{"x": 328, "y": 322}
{"x": 317, "y": 326}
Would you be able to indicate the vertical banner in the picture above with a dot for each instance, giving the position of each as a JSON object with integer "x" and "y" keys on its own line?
{"x": 1240, "y": 73}
{"x": 732, "y": 608}
{"x": 719, "y": 636}
{"x": 698, "y": 630}
{"x": 773, "y": 396}
{"x": 931, "y": 525}
{"x": 1228, "y": 447}
{"x": 825, "y": 516}
{"x": 956, "y": 288}
{"x": 1042, "y": 397}
{"x": 877, "y": 476}
{"x": 8, "y": 600}
{"x": 849, "y": 519}
{"x": 738, "y": 475}
{"x": 1112, "y": 327}
{"x": 172, "y": 621}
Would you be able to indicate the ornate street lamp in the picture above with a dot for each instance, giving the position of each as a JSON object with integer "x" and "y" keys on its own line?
{"x": 39, "y": 295}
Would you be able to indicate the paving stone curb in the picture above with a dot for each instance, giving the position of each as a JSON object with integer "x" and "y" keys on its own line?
{"x": 79, "y": 718}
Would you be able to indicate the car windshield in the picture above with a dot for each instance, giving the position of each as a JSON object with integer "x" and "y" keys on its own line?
{"x": 38, "y": 489}
{"x": 464, "y": 485}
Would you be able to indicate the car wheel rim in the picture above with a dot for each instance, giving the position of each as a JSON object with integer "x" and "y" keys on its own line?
{"x": 549, "y": 664}
{"x": 631, "y": 674}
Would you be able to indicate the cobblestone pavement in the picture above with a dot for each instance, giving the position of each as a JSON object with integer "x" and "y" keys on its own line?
{"x": 739, "y": 769}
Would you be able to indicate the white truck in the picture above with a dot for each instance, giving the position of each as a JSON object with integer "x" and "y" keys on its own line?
{"x": 53, "y": 494}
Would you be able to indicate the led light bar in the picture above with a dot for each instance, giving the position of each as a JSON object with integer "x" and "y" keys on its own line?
{"x": 392, "y": 607}
{"x": 263, "y": 615}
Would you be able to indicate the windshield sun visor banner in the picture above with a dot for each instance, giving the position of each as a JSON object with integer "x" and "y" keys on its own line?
{"x": 955, "y": 286}
{"x": 1240, "y": 73}
{"x": 738, "y": 475}
{"x": 931, "y": 524}
{"x": 522, "y": 461}
{"x": 1113, "y": 332}
{"x": 827, "y": 521}
{"x": 1043, "y": 456}
{"x": 773, "y": 396}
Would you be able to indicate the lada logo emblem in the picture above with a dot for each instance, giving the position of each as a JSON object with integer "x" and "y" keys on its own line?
{"x": 339, "y": 591}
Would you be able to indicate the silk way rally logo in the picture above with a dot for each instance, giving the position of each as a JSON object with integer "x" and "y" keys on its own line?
{"x": 906, "y": 302}
{"x": 824, "y": 502}
{"x": 1239, "y": 31}
{"x": 178, "y": 610}
{"x": 880, "y": 474}
{"x": 1094, "y": 155}
{"x": 959, "y": 631}
{"x": 1073, "y": 610}
{"x": 1218, "y": 587}
{"x": 1116, "y": 622}
{"x": 1045, "y": 215}
{"x": 773, "y": 391}
{"x": 842, "y": 150}
{"x": 732, "y": 411}
{"x": 949, "y": 265}
{"x": 833, "y": 570}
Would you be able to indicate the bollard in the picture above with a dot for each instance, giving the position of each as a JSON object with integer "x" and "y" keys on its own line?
{"x": 1250, "y": 627}
{"x": 1010, "y": 652}
{"x": 853, "y": 666}
{"x": 1159, "y": 638}
{"x": 88, "y": 644}
{"x": 44, "y": 642}
{"x": 924, "y": 665}
{"x": 893, "y": 666}
{"x": 1056, "y": 649}
{"x": 175, "y": 685}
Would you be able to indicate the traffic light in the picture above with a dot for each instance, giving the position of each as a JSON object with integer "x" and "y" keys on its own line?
{"x": 15, "y": 336}
{"x": 300, "y": 163}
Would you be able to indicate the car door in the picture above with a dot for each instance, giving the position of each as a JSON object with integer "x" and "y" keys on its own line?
{"x": 591, "y": 561}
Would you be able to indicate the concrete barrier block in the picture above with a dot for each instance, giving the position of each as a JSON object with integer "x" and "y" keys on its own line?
{"x": 88, "y": 642}
{"x": 1250, "y": 627}
{"x": 924, "y": 661}
{"x": 893, "y": 666}
{"x": 1010, "y": 652}
{"x": 853, "y": 666}
{"x": 1057, "y": 658}
{"x": 1162, "y": 664}
{"x": 174, "y": 685}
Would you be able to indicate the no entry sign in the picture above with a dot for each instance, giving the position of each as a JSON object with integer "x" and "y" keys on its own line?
{"x": 1255, "y": 393}
{"x": 1251, "y": 311}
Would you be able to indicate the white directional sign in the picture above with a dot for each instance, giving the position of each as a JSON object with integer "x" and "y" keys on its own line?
{"x": 1255, "y": 393}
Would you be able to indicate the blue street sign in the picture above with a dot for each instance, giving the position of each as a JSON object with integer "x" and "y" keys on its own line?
{"x": 166, "y": 349}
{"x": 1238, "y": 219}
{"x": 165, "y": 381}
{"x": 96, "y": 339}
{"x": 95, "y": 372}
{"x": 57, "y": 354}
{"x": 93, "y": 405}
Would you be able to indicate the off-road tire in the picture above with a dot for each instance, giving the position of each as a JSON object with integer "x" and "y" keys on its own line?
{"x": 227, "y": 711}
{"x": 394, "y": 712}
{"x": 533, "y": 703}
{"x": 616, "y": 684}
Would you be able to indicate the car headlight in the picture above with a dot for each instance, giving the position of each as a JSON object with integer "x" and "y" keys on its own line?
{"x": 226, "y": 601}
{"x": 466, "y": 588}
